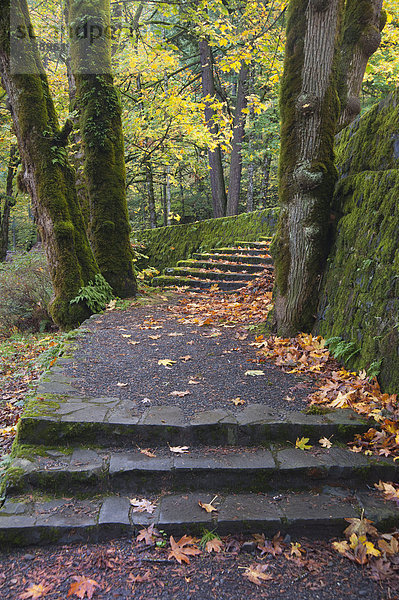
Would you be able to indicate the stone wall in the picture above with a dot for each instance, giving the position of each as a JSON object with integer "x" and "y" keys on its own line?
{"x": 360, "y": 289}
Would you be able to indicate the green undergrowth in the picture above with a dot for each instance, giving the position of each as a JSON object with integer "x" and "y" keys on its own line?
{"x": 165, "y": 246}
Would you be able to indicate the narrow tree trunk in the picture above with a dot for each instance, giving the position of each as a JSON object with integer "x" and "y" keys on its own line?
{"x": 150, "y": 195}
{"x": 47, "y": 173}
{"x": 363, "y": 23}
{"x": 233, "y": 197}
{"x": 8, "y": 202}
{"x": 164, "y": 203}
{"x": 219, "y": 199}
{"x": 250, "y": 190}
{"x": 264, "y": 188}
{"x": 309, "y": 112}
{"x": 168, "y": 196}
{"x": 102, "y": 137}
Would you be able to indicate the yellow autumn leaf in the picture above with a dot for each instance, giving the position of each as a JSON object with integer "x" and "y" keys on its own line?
{"x": 302, "y": 444}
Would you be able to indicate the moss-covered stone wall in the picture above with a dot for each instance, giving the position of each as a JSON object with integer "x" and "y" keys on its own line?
{"x": 165, "y": 246}
{"x": 360, "y": 290}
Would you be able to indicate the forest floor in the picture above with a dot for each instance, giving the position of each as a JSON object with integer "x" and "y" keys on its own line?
{"x": 186, "y": 335}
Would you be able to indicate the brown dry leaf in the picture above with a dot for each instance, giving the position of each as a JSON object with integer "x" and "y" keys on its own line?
{"x": 361, "y": 527}
{"x": 126, "y": 335}
{"x": 147, "y": 452}
{"x": 174, "y": 334}
{"x": 179, "y": 449}
{"x": 325, "y": 442}
{"x": 341, "y": 547}
{"x": 182, "y": 549}
{"x": 193, "y": 382}
{"x": 133, "y": 343}
{"x": 83, "y": 587}
{"x": 140, "y": 578}
{"x": 389, "y": 490}
{"x": 35, "y": 591}
{"x": 380, "y": 569}
{"x": 148, "y": 535}
{"x": 180, "y": 394}
{"x": 154, "y": 337}
{"x": 296, "y": 549}
{"x": 142, "y": 505}
{"x": 389, "y": 547}
{"x": 214, "y": 545}
{"x": 256, "y": 573}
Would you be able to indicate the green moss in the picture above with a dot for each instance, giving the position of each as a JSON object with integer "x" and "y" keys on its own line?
{"x": 165, "y": 246}
{"x": 317, "y": 410}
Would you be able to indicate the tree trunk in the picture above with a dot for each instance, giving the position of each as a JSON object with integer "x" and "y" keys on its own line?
{"x": 219, "y": 198}
{"x": 47, "y": 174}
{"x": 233, "y": 197}
{"x": 264, "y": 188}
{"x": 363, "y": 22}
{"x": 8, "y": 201}
{"x": 309, "y": 113}
{"x": 102, "y": 137}
{"x": 150, "y": 195}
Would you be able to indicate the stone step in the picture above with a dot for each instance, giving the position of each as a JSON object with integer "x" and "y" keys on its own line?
{"x": 256, "y": 269}
{"x": 205, "y": 274}
{"x": 240, "y": 250}
{"x": 57, "y": 414}
{"x": 237, "y": 258}
{"x": 261, "y": 245}
{"x": 90, "y": 471}
{"x": 320, "y": 515}
{"x": 196, "y": 283}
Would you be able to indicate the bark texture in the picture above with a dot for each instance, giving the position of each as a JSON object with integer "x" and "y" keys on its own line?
{"x": 363, "y": 22}
{"x": 219, "y": 198}
{"x": 233, "y": 197}
{"x": 102, "y": 138}
{"x": 8, "y": 201}
{"x": 309, "y": 112}
{"x": 47, "y": 174}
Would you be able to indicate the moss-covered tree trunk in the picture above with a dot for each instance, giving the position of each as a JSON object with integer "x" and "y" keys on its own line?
{"x": 47, "y": 173}
{"x": 219, "y": 198}
{"x": 309, "y": 113}
{"x": 9, "y": 201}
{"x": 362, "y": 25}
{"x": 101, "y": 129}
{"x": 233, "y": 196}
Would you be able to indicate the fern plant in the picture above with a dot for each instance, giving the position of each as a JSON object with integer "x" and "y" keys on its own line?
{"x": 96, "y": 294}
{"x": 342, "y": 350}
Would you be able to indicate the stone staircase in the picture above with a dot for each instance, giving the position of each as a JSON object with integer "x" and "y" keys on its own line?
{"x": 228, "y": 268}
{"x": 81, "y": 463}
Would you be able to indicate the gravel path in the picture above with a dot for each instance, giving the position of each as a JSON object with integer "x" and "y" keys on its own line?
{"x": 119, "y": 357}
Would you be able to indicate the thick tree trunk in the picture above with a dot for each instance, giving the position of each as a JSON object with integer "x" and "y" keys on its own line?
{"x": 363, "y": 22}
{"x": 8, "y": 201}
{"x": 233, "y": 197}
{"x": 102, "y": 137}
{"x": 219, "y": 198}
{"x": 309, "y": 112}
{"x": 47, "y": 174}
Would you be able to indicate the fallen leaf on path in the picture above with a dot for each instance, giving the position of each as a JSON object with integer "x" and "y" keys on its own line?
{"x": 325, "y": 442}
{"x": 180, "y": 394}
{"x": 302, "y": 444}
{"x": 174, "y": 334}
{"x": 148, "y": 535}
{"x": 183, "y": 549}
{"x": 140, "y": 578}
{"x": 154, "y": 337}
{"x": 142, "y": 505}
{"x": 193, "y": 382}
{"x": 380, "y": 569}
{"x": 256, "y": 574}
{"x": 133, "y": 343}
{"x": 185, "y": 358}
{"x": 35, "y": 591}
{"x": 146, "y": 400}
{"x": 119, "y": 384}
{"x": 296, "y": 549}
{"x": 254, "y": 373}
{"x": 237, "y": 401}
{"x": 179, "y": 449}
{"x": 214, "y": 545}
{"x": 360, "y": 527}
{"x": 126, "y": 335}
{"x": 83, "y": 587}
{"x": 208, "y": 506}
{"x": 166, "y": 362}
{"x": 147, "y": 452}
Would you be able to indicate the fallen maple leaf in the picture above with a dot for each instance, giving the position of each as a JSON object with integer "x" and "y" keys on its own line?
{"x": 119, "y": 384}
{"x": 361, "y": 527}
{"x": 341, "y": 547}
{"x": 214, "y": 545}
{"x": 126, "y": 335}
{"x": 302, "y": 444}
{"x": 182, "y": 549}
{"x": 165, "y": 362}
{"x": 256, "y": 574}
{"x": 133, "y": 343}
{"x": 179, "y": 449}
{"x": 35, "y": 591}
{"x": 142, "y": 505}
{"x": 208, "y": 506}
{"x": 154, "y": 337}
{"x": 83, "y": 587}
{"x": 237, "y": 401}
{"x": 174, "y": 334}
{"x": 389, "y": 547}
{"x": 193, "y": 382}
{"x": 296, "y": 549}
{"x": 185, "y": 358}
{"x": 180, "y": 394}
{"x": 140, "y": 578}
{"x": 254, "y": 373}
{"x": 380, "y": 569}
{"x": 147, "y": 452}
{"x": 325, "y": 442}
{"x": 148, "y": 535}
